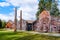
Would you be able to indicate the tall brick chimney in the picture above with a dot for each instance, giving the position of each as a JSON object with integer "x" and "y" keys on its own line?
{"x": 15, "y": 20}
{"x": 20, "y": 19}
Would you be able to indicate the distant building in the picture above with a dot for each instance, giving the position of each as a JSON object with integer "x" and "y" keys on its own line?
{"x": 47, "y": 23}
{"x": 55, "y": 24}
{"x": 30, "y": 25}
{"x": 42, "y": 24}
{"x": 24, "y": 25}
{"x": 10, "y": 24}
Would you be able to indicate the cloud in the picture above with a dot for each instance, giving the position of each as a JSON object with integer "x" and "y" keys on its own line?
{"x": 22, "y": 2}
{"x": 28, "y": 7}
{"x": 4, "y": 4}
{"x": 6, "y": 17}
{"x": 28, "y": 13}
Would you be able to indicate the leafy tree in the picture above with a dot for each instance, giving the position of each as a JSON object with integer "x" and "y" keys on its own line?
{"x": 50, "y": 5}
{"x": 3, "y": 24}
{"x": 54, "y": 10}
{"x": 43, "y": 4}
{"x": 0, "y": 23}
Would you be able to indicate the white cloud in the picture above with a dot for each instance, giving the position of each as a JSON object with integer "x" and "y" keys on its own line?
{"x": 4, "y": 4}
{"x": 22, "y": 2}
{"x": 28, "y": 7}
{"x": 6, "y": 17}
{"x": 28, "y": 12}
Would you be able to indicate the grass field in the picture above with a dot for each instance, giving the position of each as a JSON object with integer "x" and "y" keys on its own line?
{"x": 10, "y": 35}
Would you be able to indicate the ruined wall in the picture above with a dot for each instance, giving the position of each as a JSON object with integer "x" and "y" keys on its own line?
{"x": 55, "y": 24}
{"x": 47, "y": 23}
{"x": 43, "y": 23}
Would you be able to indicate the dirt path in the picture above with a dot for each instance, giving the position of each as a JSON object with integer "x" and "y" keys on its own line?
{"x": 49, "y": 34}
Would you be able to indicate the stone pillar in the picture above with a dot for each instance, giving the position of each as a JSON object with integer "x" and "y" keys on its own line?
{"x": 15, "y": 20}
{"x": 21, "y": 20}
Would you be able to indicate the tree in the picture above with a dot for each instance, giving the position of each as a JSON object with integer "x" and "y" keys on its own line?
{"x": 50, "y": 5}
{"x": 54, "y": 10}
{"x": 43, "y": 4}
{"x": 0, "y": 23}
{"x": 3, "y": 24}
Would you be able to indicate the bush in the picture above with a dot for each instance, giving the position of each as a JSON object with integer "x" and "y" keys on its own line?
{"x": 2, "y": 23}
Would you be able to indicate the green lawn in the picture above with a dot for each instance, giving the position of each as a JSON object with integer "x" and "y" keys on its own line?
{"x": 10, "y": 35}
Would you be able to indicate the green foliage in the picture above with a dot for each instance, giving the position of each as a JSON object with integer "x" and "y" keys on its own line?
{"x": 43, "y": 4}
{"x": 0, "y": 23}
{"x": 3, "y": 24}
{"x": 54, "y": 10}
{"x": 50, "y": 5}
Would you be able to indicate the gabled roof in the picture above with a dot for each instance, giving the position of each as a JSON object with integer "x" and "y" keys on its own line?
{"x": 44, "y": 13}
{"x": 10, "y": 21}
{"x": 30, "y": 21}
